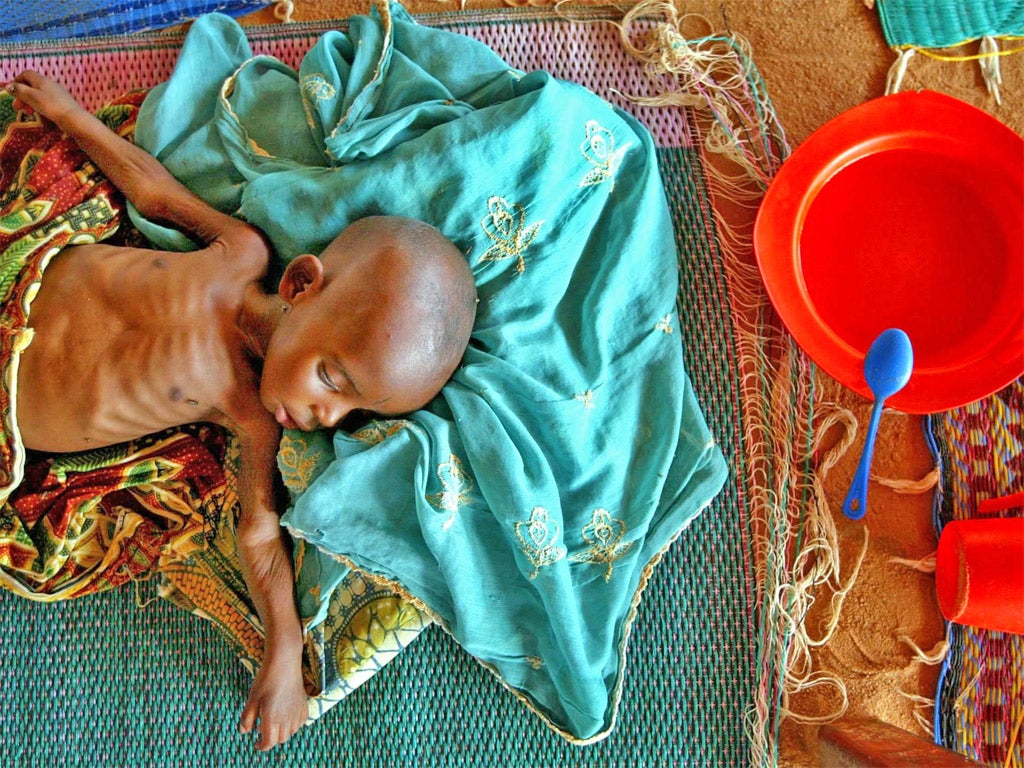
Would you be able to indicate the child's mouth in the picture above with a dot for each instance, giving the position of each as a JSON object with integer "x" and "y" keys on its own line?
{"x": 284, "y": 418}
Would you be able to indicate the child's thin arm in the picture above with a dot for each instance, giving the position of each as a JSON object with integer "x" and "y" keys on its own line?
{"x": 277, "y": 699}
{"x": 142, "y": 179}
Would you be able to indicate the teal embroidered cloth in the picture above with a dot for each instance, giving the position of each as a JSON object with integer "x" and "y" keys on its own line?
{"x": 525, "y": 507}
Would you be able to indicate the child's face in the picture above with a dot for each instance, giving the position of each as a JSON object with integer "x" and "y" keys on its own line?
{"x": 316, "y": 372}
{"x": 343, "y": 346}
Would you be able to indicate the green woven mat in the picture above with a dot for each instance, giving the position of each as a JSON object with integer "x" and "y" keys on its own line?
{"x": 946, "y": 23}
{"x": 100, "y": 681}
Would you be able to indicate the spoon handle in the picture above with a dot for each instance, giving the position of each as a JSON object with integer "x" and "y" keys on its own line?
{"x": 856, "y": 503}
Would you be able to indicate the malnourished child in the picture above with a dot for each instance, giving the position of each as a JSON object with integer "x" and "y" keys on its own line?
{"x": 128, "y": 342}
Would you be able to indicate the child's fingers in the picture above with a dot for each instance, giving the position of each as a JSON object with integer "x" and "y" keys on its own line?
{"x": 248, "y": 720}
{"x": 17, "y": 90}
{"x": 268, "y": 737}
{"x": 29, "y": 77}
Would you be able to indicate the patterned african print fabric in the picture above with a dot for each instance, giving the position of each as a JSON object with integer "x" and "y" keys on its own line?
{"x": 351, "y": 633}
{"x": 51, "y": 196}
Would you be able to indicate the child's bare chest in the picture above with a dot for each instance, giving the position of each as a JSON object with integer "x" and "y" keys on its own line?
{"x": 126, "y": 345}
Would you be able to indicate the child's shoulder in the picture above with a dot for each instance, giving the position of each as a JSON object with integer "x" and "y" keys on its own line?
{"x": 242, "y": 249}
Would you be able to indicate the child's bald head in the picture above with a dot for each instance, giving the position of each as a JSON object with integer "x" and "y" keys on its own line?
{"x": 418, "y": 281}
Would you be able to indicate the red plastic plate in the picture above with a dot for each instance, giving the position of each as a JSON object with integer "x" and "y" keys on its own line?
{"x": 904, "y": 212}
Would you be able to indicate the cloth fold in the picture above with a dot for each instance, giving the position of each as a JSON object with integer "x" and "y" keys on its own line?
{"x": 525, "y": 507}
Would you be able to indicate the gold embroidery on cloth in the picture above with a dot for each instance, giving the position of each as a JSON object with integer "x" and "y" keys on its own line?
{"x": 316, "y": 88}
{"x": 599, "y": 150}
{"x": 539, "y": 538}
{"x": 587, "y": 398}
{"x": 603, "y": 533}
{"x": 665, "y": 324}
{"x": 505, "y": 224}
{"x": 379, "y": 431}
{"x": 456, "y": 485}
{"x": 296, "y": 463}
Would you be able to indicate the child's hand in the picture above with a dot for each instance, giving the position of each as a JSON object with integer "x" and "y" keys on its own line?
{"x": 276, "y": 707}
{"x": 35, "y": 93}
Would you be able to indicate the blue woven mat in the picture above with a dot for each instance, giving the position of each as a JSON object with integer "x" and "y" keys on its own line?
{"x": 25, "y": 21}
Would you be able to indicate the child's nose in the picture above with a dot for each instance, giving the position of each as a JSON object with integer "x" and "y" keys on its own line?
{"x": 329, "y": 415}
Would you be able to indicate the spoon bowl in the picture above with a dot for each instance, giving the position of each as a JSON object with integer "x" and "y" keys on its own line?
{"x": 887, "y": 368}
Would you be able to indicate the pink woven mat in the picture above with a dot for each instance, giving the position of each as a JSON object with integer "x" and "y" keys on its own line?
{"x": 590, "y": 53}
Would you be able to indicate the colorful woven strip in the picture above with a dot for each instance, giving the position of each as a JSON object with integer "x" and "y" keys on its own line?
{"x": 979, "y": 705}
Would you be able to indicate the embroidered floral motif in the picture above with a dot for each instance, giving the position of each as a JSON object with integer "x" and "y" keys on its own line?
{"x": 665, "y": 324}
{"x": 599, "y": 150}
{"x": 378, "y": 431}
{"x": 587, "y": 398}
{"x": 316, "y": 88}
{"x": 505, "y": 223}
{"x": 456, "y": 485}
{"x": 603, "y": 533}
{"x": 538, "y": 539}
{"x": 296, "y": 463}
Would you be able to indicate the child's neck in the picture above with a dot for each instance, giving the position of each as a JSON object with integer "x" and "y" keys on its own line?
{"x": 259, "y": 317}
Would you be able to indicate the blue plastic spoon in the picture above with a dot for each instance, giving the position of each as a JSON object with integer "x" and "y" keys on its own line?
{"x": 887, "y": 369}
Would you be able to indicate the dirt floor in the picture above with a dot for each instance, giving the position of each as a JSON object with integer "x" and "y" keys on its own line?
{"x": 819, "y": 59}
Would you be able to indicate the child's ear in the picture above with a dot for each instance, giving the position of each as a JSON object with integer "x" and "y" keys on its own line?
{"x": 303, "y": 276}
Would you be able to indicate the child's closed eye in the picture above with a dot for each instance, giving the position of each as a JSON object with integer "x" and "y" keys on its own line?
{"x": 326, "y": 378}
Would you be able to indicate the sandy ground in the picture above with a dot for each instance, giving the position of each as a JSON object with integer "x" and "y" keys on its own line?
{"x": 819, "y": 59}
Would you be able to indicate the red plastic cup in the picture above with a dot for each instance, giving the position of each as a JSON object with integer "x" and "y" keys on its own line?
{"x": 979, "y": 573}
